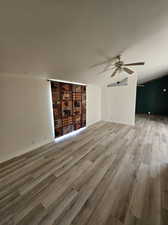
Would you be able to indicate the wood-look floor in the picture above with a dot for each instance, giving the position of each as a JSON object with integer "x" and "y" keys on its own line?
{"x": 111, "y": 174}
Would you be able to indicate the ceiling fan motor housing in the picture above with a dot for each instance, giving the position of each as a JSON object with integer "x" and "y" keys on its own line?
{"x": 119, "y": 64}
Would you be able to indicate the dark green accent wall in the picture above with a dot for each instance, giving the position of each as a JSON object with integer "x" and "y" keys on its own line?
{"x": 151, "y": 98}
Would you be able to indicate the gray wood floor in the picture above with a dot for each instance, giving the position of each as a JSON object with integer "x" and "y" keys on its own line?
{"x": 111, "y": 174}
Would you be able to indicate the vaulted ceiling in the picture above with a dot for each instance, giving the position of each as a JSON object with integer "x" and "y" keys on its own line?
{"x": 63, "y": 38}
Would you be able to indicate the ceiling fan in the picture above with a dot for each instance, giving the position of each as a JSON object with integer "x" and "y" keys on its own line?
{"x": 116, "y": 65}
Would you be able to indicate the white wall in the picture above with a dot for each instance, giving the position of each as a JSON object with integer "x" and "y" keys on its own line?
{"x": 26, "y": 113}
{"x": 118, "y": 103}
{"x": 93, "y": 104}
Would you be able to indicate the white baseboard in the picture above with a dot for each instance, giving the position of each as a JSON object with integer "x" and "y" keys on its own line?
{"x": 29, "y": 149}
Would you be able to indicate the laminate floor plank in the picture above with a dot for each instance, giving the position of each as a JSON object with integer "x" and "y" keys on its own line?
{"x": 109, "y": 174}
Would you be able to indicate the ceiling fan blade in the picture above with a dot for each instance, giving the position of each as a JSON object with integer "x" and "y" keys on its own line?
{"x": 99, "y": 64}
{"x": 106, "y": 70}
{"x": 107, "y": 61}
{"x": 108, "y": 66}
{"x": 103, "y": 54}
{"x": 127, "y": 70}
{"x": 114, "y": 73}
{"x": 135, "y": 64}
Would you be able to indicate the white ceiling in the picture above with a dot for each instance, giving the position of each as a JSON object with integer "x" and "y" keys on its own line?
{"x": 64, "y": 38}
